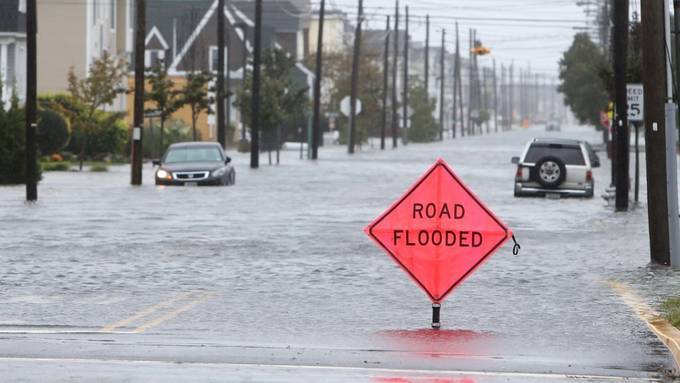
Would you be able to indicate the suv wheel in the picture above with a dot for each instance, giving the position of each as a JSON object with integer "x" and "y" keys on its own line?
{"x": 550, "y": 172}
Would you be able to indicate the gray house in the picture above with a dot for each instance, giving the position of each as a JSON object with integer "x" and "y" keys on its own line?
{"x": 13, "y": 48}
{"x": 184, "y": 36}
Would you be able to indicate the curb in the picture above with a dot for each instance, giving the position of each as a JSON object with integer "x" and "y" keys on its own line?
{"x": 666, "y": 332}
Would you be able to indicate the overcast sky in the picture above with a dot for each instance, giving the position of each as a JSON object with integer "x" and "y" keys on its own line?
{"x": 534, "y": 32}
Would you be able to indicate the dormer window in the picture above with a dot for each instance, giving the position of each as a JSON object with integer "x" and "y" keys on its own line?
{"x": 153, "y": 57}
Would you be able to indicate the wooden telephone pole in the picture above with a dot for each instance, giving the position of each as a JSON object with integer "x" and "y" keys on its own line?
{"x": 654, "y": 79}
{"x": 31, "y": 173}
{"x": 138, "y": 118}
{"x": 316, "y": 122}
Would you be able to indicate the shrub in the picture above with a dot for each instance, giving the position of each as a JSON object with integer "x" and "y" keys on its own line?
{"x": 99, "y": 168}
{"x": 53, "y": 132}
{"x": 56, "y": 166}
{"x": 243, "y": 146}
{"x": 68, "y": 156}
{"x": 107, "y": 136}
{"x": 174, "y": 131}
{"x": 12, "y": 144}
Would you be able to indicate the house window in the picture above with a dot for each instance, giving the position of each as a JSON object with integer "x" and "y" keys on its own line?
{"x": 213, "y": 58}
{"x": 112, "y": 15}
{"x": 153, "y": 57}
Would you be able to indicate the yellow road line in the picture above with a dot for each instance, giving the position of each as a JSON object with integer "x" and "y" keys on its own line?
{"x": 143, "y": 313}
{"x": 666, "y": 332}
{"x": 172, "y": 314}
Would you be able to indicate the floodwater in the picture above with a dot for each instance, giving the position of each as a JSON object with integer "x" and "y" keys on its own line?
{"x": 277, "y": 270}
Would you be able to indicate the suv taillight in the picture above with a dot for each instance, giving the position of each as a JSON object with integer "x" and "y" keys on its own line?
{"x": 518, "y": 175}
{"x": 589, "y": 176}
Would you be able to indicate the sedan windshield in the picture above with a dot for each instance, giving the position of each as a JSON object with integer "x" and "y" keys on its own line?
{"x": 193, "y": 154}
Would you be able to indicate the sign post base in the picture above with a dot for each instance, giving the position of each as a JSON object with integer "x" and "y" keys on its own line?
{"x": 436, "y": 324}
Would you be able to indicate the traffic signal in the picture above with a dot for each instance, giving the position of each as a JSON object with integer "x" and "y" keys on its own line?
{"x": 479, "y": 49}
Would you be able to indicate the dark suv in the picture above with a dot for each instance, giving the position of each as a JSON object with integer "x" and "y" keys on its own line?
{"x": 194, "y": 164}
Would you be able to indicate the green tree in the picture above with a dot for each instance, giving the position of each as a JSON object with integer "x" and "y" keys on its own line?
{"x": 195, "y": 95}
{"x": 338, "y": 77}
{"x": 580, "y": 71}
{"x": 163, "y": 94}
{"x": 633, "y": 65}
{"x": 282, "y": 99}
{"x": 105, "y": 81}
{"x": 423, "y": 128}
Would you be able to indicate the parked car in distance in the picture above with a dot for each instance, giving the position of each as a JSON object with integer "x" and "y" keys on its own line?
{"x": 553, "y": 126}
{"x": 555, "y": 167}
{"x": 195, "y": 164}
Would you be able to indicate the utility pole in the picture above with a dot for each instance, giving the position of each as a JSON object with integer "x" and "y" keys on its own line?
{"x": 227, "y": 84}
{"x": 442, "y": 75}
{"x": 255, "y": 109}
{"x": 459, "y": 82}
{"x": 405, "y": 99}
{"x": 661, "y": 216}
{"x": 456, "y": 63}
{"x": 671, "y": 151}
{"x": 31, "y": 172}
{"x": 495, "y": 98}
{"x": 621, "y": 95}
{"x": 427, "y": 57}
{"x": 138, "y": 118}
{"x": 511, "y": 95}
{"x": 553, "y": 91}
{"x": 316, "y": 123}
{"x": 471, "y": 124}
{"x": 244, "y": 73}
{"x": 221, "y": 131}
{"x": 485, "y": 96}
{"x": 522, "y": 97}
{"x": 478, "y": 83}
{"x": 355, "y": 79}
{"x": 676, "y": 12}
{"x": 386, "y": 83}
{"x": 395, "y": 62}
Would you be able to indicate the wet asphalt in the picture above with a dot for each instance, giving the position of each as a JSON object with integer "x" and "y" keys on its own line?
{"x": 274, "y": 280}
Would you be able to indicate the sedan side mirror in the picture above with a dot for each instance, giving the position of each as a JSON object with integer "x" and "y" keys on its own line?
{"x": 227, "y": 160}
{"x": 515, "y": 160}
{"x": 156, "y": 162}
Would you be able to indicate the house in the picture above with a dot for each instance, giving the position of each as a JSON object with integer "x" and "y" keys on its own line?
{"x": 336, "y": 34}
{"x": 72, "y": 34}
{"x": 184, "y": 36}
{"x": 12, "y": 49}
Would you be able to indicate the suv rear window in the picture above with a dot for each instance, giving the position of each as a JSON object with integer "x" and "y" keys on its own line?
{"x": 570, "y": 155}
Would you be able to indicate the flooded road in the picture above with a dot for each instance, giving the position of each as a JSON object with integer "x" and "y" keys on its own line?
{"x": 277, "y": 271}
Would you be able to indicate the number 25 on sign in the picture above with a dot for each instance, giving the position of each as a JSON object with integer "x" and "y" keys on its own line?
{"x": 438, "y": 232}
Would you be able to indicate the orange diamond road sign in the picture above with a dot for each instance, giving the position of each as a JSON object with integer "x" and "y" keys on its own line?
{"x": 439, "y": 232}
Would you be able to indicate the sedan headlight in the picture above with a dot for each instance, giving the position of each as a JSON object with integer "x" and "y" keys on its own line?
{"x": 163, "y": 174}
{"x": 218, "y": 172}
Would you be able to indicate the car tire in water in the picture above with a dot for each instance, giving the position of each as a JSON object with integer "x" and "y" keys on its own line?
{"x": 550, "y": 172}
{"x": 232, "y": 178}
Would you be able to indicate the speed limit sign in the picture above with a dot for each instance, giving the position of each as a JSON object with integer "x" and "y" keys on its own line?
{"x": 636, "y": 103}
